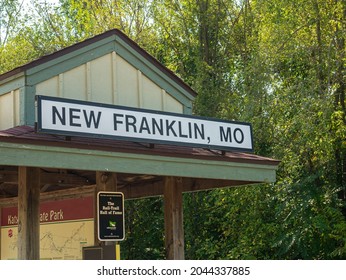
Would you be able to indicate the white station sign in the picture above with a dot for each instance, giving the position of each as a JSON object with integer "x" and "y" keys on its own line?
{"x": 80, "y": 118}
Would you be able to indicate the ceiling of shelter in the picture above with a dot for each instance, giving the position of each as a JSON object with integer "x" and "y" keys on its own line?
{"x": 57, "y": 179}
{"x": 58, "y": 182}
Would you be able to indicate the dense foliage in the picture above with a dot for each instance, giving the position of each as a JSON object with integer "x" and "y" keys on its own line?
{"x": 275, "y": 63}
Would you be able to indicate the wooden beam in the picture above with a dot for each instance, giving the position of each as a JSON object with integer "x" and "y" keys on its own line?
{"x": 28, "y": 213}
{"x": 48, "y": 178}
{"x": 155, "y": 187}
{"x": 106, "y": 181}
{"x": 143, "y": 189}
{"x": 197, "y": 184}
{"x": 9, "y": 176}
{"x": 78, "y": 192}
{"x": 174, "y": 231}
{"x": 64, "y": 178}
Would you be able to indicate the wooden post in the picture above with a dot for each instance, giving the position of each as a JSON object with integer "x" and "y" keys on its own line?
{"x": 174, "y": 230}
{"x": 28, "y": 213}
{"x": 105, "y": 181}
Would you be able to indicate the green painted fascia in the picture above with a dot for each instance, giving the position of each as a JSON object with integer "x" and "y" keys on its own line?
{"x": 12, "y": 84}
{"x": 27, "y": 105}
{"x": 72, "y": 158}
{"x": 67, "y": 62}
{"x": 187, "y": 110}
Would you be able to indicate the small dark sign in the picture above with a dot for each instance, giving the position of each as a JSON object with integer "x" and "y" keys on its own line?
{"x": 110, "y": 211}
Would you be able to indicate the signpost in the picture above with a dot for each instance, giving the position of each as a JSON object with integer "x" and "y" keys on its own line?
{"x": 80, "y": 118}
{"x": 110, "y": 212}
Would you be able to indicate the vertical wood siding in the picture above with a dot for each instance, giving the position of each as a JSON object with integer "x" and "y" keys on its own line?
{"x": 9, "y": 109}
{"x": 110, "y": 79}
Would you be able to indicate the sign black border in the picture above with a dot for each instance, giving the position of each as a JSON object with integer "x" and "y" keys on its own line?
{"x": 98, "y": 215}
{"x": 39, "y": 128}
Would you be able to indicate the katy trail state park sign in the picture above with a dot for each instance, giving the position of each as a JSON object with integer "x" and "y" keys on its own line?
{"x": 80, "y": 118}
{"x": 110, "y": 216}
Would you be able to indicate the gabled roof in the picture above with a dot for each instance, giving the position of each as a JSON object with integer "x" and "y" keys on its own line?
{"x": 140, "y": 167}
{"x": 111, "y": 34}
{"x": 200, "y": 168}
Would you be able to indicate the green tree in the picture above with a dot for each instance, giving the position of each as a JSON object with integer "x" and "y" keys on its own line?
{"x": 302, "y": 52}
{"x": 9, "y": 16}
{"x": 144, "y": 230}
{"x": 277, "y": 64}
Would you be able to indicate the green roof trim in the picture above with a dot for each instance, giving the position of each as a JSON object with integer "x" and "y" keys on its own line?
{"x": 29, "y": 75}
{"x": 74, "y": 158}
{"x": 12, "y": 84}
{"x": 80, "y": 53}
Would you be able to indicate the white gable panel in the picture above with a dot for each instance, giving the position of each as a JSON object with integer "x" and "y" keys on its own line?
{"x": 99, "y": 74}
{"x": 152, "y": 95}
{"x": 49, "y": 87}
{"x": 9, "y": 110}
{"x": 127, "y": 83}
{"x": 156, "y": 98}
{"x": 110, "y": 79}
{"x": 172, "y": 105}
{"x": 74, "y": 83}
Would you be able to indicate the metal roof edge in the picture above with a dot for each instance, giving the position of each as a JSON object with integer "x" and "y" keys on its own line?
{"x": 26, "y": 135}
